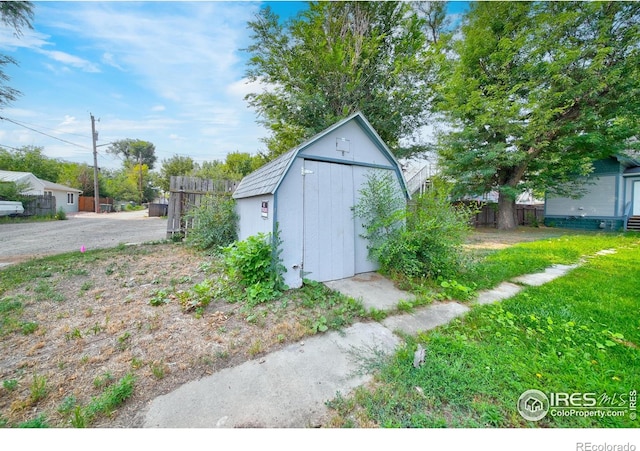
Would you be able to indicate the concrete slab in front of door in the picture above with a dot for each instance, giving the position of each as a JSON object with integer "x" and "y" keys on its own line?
{"x": 374, "y": 290}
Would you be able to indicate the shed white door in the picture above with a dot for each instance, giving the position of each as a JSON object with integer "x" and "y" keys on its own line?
{"x": 329, "y": 227}
{"x": 636, "y": 199}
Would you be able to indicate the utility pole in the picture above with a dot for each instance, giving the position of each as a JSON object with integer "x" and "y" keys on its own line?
{"x": 140, "y": 173}
{"x": 96, "y": 194}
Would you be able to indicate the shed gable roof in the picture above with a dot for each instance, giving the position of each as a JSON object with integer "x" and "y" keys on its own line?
{"x": 266, "y": 179}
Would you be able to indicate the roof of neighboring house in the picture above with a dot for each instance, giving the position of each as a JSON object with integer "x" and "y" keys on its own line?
{"x": 13, "y": 176}
{"x": 16, "y": 176}
{"x": 628, "y": 160}
{"x": 58, "y": 187}
{"x": 266, "y": 179}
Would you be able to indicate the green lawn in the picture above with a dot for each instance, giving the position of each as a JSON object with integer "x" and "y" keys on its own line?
{"x": 579, "y": 333}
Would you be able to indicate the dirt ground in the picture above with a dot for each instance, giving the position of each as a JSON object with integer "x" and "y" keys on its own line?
{"x": 492, "y": 238}
{"x": 21, "y": 241}
{"x": 96, "y": 324}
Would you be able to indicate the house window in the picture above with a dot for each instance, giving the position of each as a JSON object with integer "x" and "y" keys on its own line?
{"x": 48, "y": 193}
{"x": 69, "y": 198}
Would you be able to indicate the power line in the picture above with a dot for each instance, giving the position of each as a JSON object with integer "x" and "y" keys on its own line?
{"x": 43, "y": 133}
{"x": 52, "y": 129}
{"x": 9, "y": 147}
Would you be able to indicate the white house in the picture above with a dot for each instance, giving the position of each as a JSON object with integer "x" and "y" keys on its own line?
{"x": 66, "y": 197}
{"x": 309, "y": 194}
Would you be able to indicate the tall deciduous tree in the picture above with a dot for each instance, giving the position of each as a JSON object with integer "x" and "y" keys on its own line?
{"x": 536, "y": 91}
{"x": 134, "y": 151}
{"x": 31, "y": 159}
{"x": 334, "y": 59}
{"x": 176, "y": 165}
{"x": 16, "y": 15}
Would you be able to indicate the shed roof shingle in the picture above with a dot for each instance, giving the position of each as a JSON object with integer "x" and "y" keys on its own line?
{"x": 265, "y": 179}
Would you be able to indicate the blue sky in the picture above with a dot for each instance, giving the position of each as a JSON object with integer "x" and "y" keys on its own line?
{"x": 171, "y": 73}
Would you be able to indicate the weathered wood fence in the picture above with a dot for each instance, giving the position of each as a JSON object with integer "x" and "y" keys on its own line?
{"x": 40, "y": 205}
{"x": 187, "y": 193}
{"x": 487, "y": 215}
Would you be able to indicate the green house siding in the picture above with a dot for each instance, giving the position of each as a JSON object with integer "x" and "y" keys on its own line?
{"x": 608, "y": 166}
{"x": 612, "y": 225}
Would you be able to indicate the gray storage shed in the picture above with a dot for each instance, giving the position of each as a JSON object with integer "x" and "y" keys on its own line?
{"x": 309, "y": 192}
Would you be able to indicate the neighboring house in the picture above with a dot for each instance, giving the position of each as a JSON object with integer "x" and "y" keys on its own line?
{"x": 66, "y": 197}
{"x": 611, "y": 201}
{"x": 525, "y": 198}
{"x": 309, "y": 194}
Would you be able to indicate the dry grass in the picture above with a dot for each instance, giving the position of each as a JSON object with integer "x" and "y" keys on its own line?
{"x": 105, "y": 326}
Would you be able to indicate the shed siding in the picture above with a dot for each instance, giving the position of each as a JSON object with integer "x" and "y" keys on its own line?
{"x": 251, "y": 221}
{"x": 361, "y": 148}
{"x": 599, "y": 201}
{"x": 290, "y": 223}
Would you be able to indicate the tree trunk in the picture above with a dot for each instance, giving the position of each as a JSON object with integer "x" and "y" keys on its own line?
{"x": 506, "y": 212}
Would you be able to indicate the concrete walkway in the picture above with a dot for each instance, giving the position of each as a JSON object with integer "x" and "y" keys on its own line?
{"x": 289, "y": 388}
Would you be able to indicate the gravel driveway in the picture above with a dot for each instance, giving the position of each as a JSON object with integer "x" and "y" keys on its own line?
{"x": 23, "y": 241}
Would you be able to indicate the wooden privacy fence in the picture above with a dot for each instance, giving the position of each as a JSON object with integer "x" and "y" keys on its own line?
{"x": 186, "y": 193}
{"x": 41, "y": 205}
{"x": 86, "y": 203}
{"x": 487, "y": 215}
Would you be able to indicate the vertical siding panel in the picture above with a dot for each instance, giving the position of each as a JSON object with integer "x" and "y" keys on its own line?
{"x": 311, "y": 219}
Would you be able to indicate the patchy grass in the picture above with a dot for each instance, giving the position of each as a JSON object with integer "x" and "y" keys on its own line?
{"x": 73, "y": 324}
{"x": 487, "y": 268}
{"x": 579, "y": 333}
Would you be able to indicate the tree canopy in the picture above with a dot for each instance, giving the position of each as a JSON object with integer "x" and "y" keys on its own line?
{"x": 334, "y": 59}
{"x": 534, "y": 92}
{"x": 134, "y": 151}
{"x": 176, "y": 165}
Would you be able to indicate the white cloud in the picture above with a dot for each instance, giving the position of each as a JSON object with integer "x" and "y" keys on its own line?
{"x": 30, "y": 39}
{"x": 68, "y": 120}
{"x": 242, "y": 87}
{"x": 158, "y": 108}
{"x": 109, "y": 59}
{"x": 71, "y": 60}
{"x": 187, "y": 52}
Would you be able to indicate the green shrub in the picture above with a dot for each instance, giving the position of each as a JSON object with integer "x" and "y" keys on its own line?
{"x": 61, "y": 215}
{"x": 431, "y": 243}
{"x": 424, "y": 240}
{"x": 382, "y": 209}
{"x": 215, "y": 223}
{"x": 256, "y": 266}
